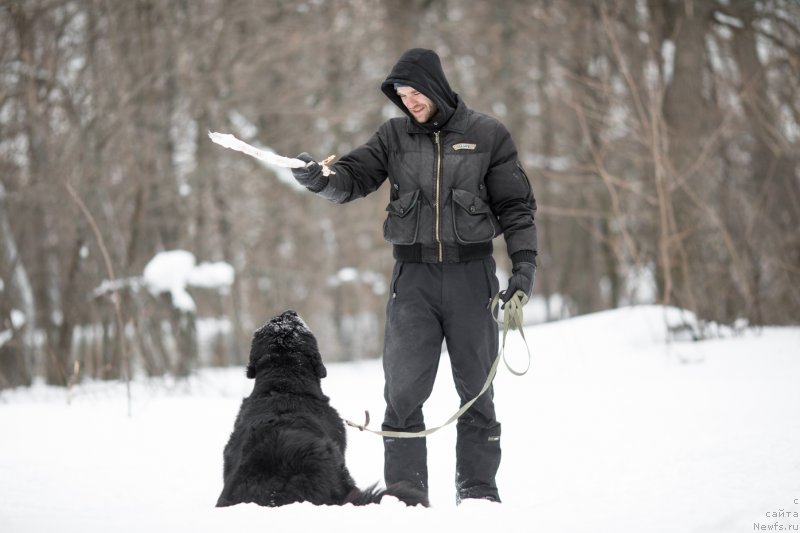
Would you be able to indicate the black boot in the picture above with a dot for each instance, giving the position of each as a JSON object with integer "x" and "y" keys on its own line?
{"x": 477, "y": 461}
{"x": 406, "y": 459}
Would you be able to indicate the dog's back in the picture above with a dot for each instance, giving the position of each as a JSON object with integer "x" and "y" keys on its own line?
{"x": 274, "y": 468}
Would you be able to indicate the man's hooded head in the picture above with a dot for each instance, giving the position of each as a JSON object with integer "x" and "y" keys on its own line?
{"x": 421, "y": 69}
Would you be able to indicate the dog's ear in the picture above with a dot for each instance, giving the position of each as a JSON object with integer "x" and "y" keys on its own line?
{"x": 319, "y": 367}
{"x": 259, "y": 346}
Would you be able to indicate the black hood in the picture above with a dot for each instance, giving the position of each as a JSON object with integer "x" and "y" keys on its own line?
{"x": 421, "y": 69}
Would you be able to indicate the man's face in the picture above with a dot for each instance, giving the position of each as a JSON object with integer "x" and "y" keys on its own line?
{"x": 420, "y": 106}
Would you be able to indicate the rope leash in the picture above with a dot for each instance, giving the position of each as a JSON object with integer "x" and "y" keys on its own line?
{"x": 512, "y": 320}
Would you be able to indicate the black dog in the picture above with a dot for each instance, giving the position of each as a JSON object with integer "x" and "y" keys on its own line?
{"x": 288, "y": 443}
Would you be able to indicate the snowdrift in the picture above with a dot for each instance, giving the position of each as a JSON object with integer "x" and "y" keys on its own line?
{"x": 621, "y": 425}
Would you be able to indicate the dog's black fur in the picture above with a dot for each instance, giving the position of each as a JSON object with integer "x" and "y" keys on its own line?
{"x": 288, "y": 443}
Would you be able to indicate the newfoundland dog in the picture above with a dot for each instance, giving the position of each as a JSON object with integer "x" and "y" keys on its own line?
{"x": 288, "y": 443}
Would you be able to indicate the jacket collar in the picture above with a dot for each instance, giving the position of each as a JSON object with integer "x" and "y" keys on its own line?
{"x": 456, "y": 124}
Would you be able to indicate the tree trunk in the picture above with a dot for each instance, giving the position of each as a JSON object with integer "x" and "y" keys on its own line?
{"x": 16, "y": 352}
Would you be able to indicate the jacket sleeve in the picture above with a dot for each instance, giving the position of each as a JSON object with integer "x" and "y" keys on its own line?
{"x": 358, "y": 173}
{"x": 512, "y": 200}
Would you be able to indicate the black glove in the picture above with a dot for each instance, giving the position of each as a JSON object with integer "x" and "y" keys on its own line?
{"x": 522, "y": 276}
{"x": 310, "y": 176}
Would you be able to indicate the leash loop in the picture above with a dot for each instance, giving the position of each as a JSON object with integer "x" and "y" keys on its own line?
{"x": 512, "y": 320}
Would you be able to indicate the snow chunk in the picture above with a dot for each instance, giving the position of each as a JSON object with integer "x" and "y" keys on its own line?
{"x": 346, "y": 275}
{"x": 668, "y": 59}
{"x": 168, "y": 270}
{"x": 351, "y": 275}
{"x": 18, "y": 318}
{"x": 729, "y": 20}
{"x": 172, "y": 271}
{"x": 5, "y": 336}
{"x": 218, "y": 275}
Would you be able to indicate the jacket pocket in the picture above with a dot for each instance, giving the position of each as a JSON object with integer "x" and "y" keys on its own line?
{"x": 473, "y": 220}
{"x": 402, "y": 219}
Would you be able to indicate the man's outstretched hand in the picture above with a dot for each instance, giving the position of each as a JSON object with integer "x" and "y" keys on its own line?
{"x": 310, "y": 176}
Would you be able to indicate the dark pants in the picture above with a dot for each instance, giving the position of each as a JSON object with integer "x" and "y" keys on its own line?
{"x": 431, "y": 302}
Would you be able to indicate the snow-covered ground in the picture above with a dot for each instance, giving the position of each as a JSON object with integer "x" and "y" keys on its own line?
{"x": 614, "y": 429}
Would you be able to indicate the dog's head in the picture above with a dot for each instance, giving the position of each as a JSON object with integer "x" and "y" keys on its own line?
{"x": 285, "y": 336}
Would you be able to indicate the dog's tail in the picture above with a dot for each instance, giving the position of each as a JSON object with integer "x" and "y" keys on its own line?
{"x": 403, "y": 491}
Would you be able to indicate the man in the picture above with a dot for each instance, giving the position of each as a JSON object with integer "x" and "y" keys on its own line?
{"x": 455, "y": 184}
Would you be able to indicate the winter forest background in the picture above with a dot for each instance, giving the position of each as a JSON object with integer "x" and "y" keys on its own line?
{"x": 661, "y": 138}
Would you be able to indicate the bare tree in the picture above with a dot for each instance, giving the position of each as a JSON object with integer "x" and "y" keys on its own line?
{"x": 660, "y": 137}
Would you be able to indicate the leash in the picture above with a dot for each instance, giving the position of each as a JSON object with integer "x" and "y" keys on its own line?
{"x": 512, "y": 320}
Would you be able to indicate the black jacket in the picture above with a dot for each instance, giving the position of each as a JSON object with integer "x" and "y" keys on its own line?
{"x": 456, "y": 182}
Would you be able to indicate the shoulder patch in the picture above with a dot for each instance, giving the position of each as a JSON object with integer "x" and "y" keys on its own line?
{"x": 464, "y": 146}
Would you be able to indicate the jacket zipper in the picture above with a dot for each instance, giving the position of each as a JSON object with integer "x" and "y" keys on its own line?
{"x": 437, "y": 229}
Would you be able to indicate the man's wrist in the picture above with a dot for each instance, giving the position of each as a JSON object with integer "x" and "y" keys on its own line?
{"x": 319, "y": 183}
{"x": 524, "y": 256}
